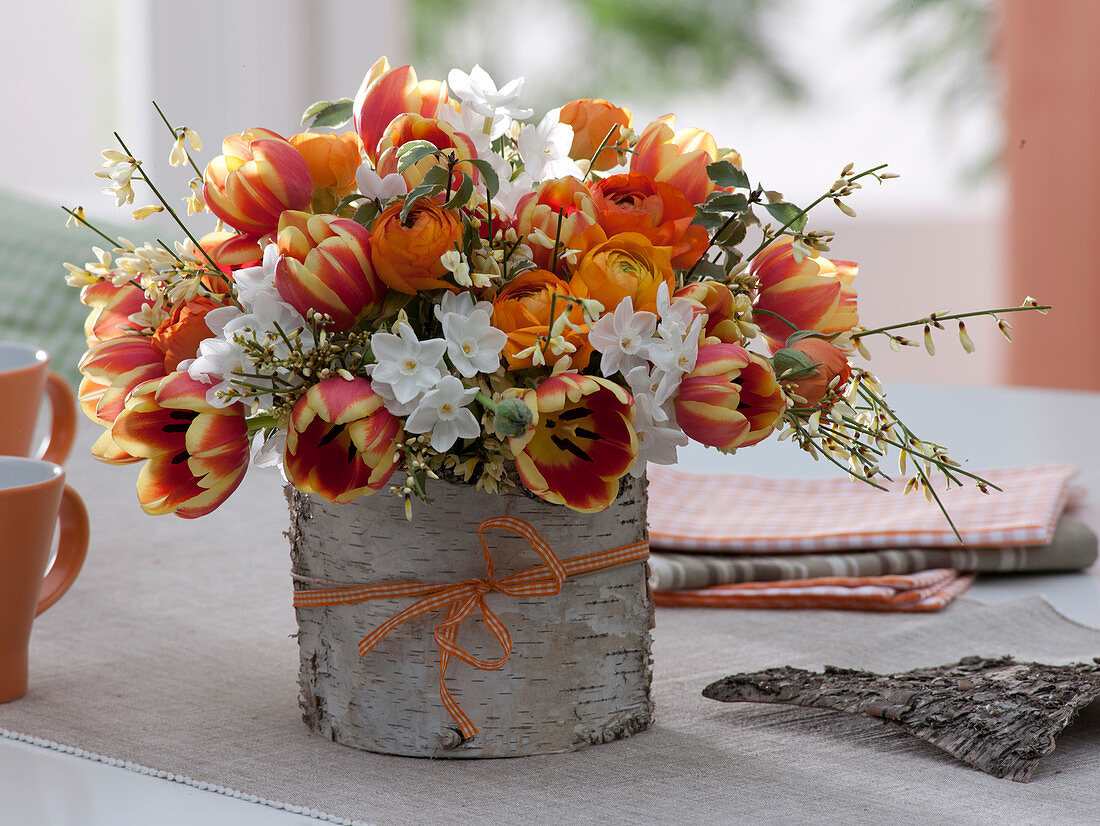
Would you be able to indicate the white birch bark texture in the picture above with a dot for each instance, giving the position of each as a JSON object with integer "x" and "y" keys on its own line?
{"x": 580, "y": 668}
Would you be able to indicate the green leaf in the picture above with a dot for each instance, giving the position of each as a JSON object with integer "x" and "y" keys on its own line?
{"x": 422, "y": 191}
{"x": 413, "y": 151}
{"x": 492, "y": 181}
{"x": 725, "y": 202}
{"x": 462, "y": 194}
{"x": 709, "y": 221}
{"x": 732, "y": 235}
{"x": 724, "y": 173}
{"x": 366, "y": 214}
{"x": 329, "y": 113}
{"x": 788, "y": 215}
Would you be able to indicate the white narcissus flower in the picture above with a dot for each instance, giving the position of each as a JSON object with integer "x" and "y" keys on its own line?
{"x": 545, "y": 149}
{"x": 676, "y": 352}
{"x": 407, "y": 365}
{"x": 622, "y": 337}
{"x": 462, "y": 303}
{"x": 479, "y": 92}
{"x": 473, "y": 343}
{"x": 252, "y": 281}
{"x": 676, "y": 315}
{"x": 443, "y": 411}
{"x": 657, "y": 441}
{"x": 653, "y": 389}
{"x": 373, "y": 185}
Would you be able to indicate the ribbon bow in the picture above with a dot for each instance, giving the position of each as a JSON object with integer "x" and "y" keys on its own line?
{"x": 462, "y": 598}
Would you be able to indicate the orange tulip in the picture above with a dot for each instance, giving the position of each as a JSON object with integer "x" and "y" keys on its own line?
{"x": 678, "y": 158}
{"x": 624, "y": 265}
{"x": 592, "y": 120}
{"x": 333, "y": 161}
{"x": 636, "y": 203}
{"x": 386, "y": 93}
{"x": 731, "y": 399}
{"x": 526, "y": 309}
{"x": 828, "y": 362}
{"x": 813, "y": 294}
{"x": 561, "y": 209}
{"x": 581, "y": 443}
{"x": 406, "y": 257}
{"x": 258, "y": 177}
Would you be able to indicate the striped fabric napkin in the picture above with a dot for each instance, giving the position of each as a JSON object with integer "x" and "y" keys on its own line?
{"x": 923, "y": 591}
{"x": 835, "y": 544}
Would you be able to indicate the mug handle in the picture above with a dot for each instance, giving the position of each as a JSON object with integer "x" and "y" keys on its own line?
{"x": 72, "y": 547}
{"x": 62, "y": 419}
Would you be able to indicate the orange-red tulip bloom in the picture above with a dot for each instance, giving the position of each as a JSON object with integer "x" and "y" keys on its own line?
{"x": 387, "y": 93}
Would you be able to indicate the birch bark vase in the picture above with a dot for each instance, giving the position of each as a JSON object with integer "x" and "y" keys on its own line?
{"x": 579, "y": 672}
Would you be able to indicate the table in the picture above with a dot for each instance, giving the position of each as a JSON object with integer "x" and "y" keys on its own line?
{"x": 989, "y": 427}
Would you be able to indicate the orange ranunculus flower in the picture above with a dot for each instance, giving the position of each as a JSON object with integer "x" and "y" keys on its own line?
{"x": 258, "y": 176}
{"x": 442, "y": 135}
{"x": 716, "y": 300}
{"x": 634, "y": 202}
{"x": 829, "y": 362}
{"x": 814, "y": 294}
{"x": 198, "y": 454}
{"x": 333, "y": 161}
{"x": 565, "y": 202}
{"x": 340, "y": 440}
{"x": 731, "y": 399}
{"x": 581, "y": 443}
{"x": 591, "y": 120}
{"x": 406, "y": 258}
{"x": 178, "y": 336}
{"x": 525, "y": 310}
{"x": 627, "y": 264}
{"x": 678, "y": 158}
{"x": 386, "y": 93}
{"x": 325, "y": 266}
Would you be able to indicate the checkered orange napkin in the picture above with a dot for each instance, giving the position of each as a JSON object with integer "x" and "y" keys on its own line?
{"x": 923, "y": 591}
{"x": 744, "y": 514}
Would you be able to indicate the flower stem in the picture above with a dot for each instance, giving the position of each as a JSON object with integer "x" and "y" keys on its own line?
{"x": 950, "y": 317}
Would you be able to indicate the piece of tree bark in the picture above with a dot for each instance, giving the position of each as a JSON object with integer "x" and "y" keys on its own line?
{"x": 998, "y": 715}
{"x": 580, "y": 668}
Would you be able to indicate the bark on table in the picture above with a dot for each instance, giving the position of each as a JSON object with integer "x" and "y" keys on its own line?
{"x": 999, "y": 715}
{"x": 580, "y": 668}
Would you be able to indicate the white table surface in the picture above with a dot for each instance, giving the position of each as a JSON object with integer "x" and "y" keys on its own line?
{"x": 984, "y": 427}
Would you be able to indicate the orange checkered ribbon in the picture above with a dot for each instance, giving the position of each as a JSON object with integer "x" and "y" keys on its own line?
{"x": 462, "y": 598}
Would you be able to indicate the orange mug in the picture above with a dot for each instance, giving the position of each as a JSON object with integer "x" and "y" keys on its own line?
{"x": 33, "y": 495}
{"x": 24, "y": 375}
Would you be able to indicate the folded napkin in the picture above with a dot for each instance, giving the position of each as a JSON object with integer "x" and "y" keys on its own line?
{"x": 922, "y": 591}
{"x": 1072, "y": 548}
{"x": 744, "y": 514}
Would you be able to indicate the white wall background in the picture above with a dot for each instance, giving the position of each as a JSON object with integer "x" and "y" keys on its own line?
{"x": 76, "y": 70}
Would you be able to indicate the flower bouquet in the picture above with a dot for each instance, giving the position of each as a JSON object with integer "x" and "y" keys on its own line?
{"x": 447, "y": 304}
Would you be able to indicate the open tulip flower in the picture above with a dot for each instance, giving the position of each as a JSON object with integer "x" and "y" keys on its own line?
{"x": 341, "y": 441}
{"x": 325, "y": 266}
{"x": 452, "y": 288}
{"x": 581, "y": 443}
{"x": 197, "y": 454}
{"x": 258, "y": 176}
{"x": 812, "y": 294}
{"x": 731, "y": 399}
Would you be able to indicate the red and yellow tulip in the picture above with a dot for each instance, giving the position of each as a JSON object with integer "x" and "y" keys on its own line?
{"x": 812, "y": 294}
{"x": 830, "y": 362}
{"x": 406, "y": 256}
{"x": 731, "y": 399}
{"x": 325, "y": 266}
{"x": 678, "y": 158}
{"x": 581, "y": 443}
{"x": 440, "y": 134}
{"x": 716, "y": 300}
{"x": 111, "y": 308}
{"x": 197, "y": 454}
{"x": 634, "y": 202}
{"x": 561, "y": 209}
{"x": 258, "y": 176}
{"x": 386, "y": 93}
{"x": 340, "y": 442}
